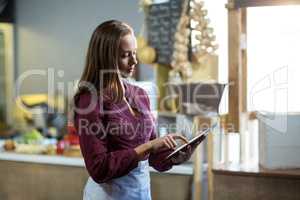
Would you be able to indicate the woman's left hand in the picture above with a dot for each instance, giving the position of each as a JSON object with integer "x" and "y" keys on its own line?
{"x": 182, "y": 156}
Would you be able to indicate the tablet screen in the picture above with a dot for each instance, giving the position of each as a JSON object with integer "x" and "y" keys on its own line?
{"x": 199, "y": 138}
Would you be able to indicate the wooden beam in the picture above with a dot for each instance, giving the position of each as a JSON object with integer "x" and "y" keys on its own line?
{"x": 198, "y": 170}
{"x": 255, "y": 3}
{"x": 210, "y": 149}
{"x": 243, "y": 80}
{"x": 237, "y": 67}
{"x": 7, "y": 30}
{"x": 202, "y": 122}
{"x": 234, "y": 64}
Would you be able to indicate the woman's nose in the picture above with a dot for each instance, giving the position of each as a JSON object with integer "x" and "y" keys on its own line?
{"x": 134, "y": 60}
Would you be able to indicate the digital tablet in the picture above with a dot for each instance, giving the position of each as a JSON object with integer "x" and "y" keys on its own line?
{"x": 197, "y": 139}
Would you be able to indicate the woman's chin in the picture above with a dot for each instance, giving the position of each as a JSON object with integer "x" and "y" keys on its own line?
{"x": 127, "y": 75}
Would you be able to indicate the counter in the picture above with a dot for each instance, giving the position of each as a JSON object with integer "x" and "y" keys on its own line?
{"x": 247, "y": 182}
{"x": 58, "y": 177}
{"x": 185, "y": 169}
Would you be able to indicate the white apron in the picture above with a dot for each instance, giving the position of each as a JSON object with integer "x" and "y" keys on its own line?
{"x": 133, "y": 186}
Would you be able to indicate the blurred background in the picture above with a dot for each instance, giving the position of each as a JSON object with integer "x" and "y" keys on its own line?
{"x": 232, "y": 63}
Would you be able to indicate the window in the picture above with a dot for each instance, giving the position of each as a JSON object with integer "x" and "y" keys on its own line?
{"x": 273, "y": 58}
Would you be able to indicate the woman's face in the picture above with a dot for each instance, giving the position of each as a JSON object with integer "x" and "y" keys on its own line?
{"x": 127, "y": 55}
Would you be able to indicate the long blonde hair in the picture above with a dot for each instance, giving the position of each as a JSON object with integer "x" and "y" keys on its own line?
{"x": 102, "y": 59}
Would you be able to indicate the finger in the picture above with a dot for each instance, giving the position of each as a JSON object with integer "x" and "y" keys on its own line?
{"x": 189, "y": 149}
{"x": 180, "y": 158}
{"x": 177, "y": 159}
{"x": 176, "y": 136}
{"x": 172, "y": 140}
{"x": 194, "y": 146}
{"x": 184, "y": 156}
{"x": 168, "y": 140}
{"x": 174, "y": 161}
{"x": 166, "y": 144}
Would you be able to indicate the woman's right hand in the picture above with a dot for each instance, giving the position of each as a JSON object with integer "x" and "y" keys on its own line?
{"x": 168, "y": 141}
{"x": 153, "y": 146}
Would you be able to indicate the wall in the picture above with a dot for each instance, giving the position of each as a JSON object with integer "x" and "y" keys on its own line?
{"x": 55, "y": 34}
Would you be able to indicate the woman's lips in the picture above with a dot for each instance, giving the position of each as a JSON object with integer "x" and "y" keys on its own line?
{"x": 131, "y": 69}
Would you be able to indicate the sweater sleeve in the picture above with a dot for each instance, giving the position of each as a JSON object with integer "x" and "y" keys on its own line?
{"x": 101, "y": 164}
{"x": 157, "y": 159}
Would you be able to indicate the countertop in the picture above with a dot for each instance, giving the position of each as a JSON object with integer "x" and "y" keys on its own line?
{"x": 254, "y": 170}
{"x": 184, "y": 169}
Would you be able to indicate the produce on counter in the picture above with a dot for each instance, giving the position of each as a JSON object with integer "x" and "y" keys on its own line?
{"x": 73, "y": 151}
{"x": 30, "y": 148}
{"x": 50, "y": 149}
{"x": 33, "y": 142}
{"x": 72, "y": 137}
{"x": 32, "y": 136}
{"x": 9, "y": 145}
{"x": 71, "y": 143}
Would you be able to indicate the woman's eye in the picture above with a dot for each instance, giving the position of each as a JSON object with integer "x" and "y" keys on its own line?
{"x": 128, "y": 54}
{"x": 125, "y": 55}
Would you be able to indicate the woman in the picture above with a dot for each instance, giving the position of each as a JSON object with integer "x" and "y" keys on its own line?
{"x": 113, "y": 119}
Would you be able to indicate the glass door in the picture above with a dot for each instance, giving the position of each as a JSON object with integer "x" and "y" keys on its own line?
{"x": 273, "y": 59}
